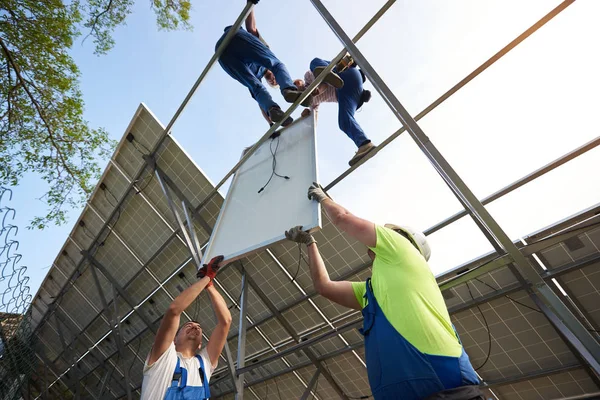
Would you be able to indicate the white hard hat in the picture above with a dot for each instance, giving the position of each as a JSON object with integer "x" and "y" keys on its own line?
{"x": 416, "y": 237}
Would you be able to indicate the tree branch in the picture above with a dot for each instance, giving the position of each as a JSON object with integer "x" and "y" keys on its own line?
{"x": 37, "y": 107}
{"x": 96, "y": 19}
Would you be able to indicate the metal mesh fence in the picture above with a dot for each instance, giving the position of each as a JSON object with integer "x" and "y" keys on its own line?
{"x": 17, "y": 356}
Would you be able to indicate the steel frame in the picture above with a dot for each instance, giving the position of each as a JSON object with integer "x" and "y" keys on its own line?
{"x": 509, "y": 253}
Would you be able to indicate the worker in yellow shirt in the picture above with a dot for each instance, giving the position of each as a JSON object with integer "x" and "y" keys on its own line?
{"x": 412, "y": 350}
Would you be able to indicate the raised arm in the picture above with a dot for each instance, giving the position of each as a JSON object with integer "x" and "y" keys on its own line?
{"x": 251, "y": 24}
{"x": 340, "y": 292}
{"x": 219, "y": 335}
{"x": 360, "y": 229}
{"x": 170, "y": 322}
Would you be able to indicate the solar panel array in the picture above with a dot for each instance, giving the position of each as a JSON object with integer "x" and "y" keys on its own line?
{"x": 143, "y": 264}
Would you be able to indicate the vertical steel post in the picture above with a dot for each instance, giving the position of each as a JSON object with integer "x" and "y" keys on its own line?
{"x": 241, "y": 356}
{"x": 120, "y": 344}
{"x": 480, "y": 215}
{"x": 310, "y": 386}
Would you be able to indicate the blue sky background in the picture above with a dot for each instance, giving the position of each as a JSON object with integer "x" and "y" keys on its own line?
{"x": 536, "y": 104}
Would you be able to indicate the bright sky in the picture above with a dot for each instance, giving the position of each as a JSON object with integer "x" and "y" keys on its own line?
{"x": 537, "y": 103}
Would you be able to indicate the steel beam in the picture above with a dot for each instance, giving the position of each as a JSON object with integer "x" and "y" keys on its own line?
{"x": 527, "y": 250}
{"x": 592, "y": 144}
{"x": 301, "y": 365}
{"x": 488, "y": 63}
{"x": 180, "y": 195}
{"x": 241, "y": 355}
{"x": 119, "y": 338}
{"x": 187, "y": 235}
{"x": 121, "y": 291}
{"x": 308, "y": 295}
{"x": 311, "y": 384}
{"x": 532, "y": 375}
{"x": 302, "y": 345}
{"x": 286, "y": 325}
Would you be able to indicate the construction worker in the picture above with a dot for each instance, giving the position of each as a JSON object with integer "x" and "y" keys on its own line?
{"x": 248, "y": 59}
{"x": 177, "y": 367}
{"x": 345, "y": 88}
{"x": 412, "y": 350}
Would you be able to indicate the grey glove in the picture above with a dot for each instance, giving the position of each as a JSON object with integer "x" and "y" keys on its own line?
{"x": 316, "y": 192}
{"x": 296, "y": 234}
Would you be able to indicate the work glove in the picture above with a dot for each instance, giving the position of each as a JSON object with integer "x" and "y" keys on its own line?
{"x": 316, "y": 192}
{"x": 296, "y": 234}
{"x": 210, "y": 269}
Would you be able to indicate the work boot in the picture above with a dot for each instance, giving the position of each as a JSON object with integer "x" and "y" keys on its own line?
{"x": 346, "y": 62}
{"x": 361, "y": 152}
{"x": 291, "y": 95}
{"x": 332, "y": 78}
{"x": 276, "y": 115}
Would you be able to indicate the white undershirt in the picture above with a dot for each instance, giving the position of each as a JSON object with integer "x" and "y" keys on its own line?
{"x": 158, "y": 376}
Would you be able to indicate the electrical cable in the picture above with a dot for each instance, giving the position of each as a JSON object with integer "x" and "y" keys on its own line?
{"x": 273, "y": 164}
{"x": 508, "y": 297}
{"x": 314, "y": 392}
{"x": 134, "y": 355}
{"x": 138, "y": 149}
{"x": 87, "y": 232}
{"x": 487, "y": 327}
{"x": 266, "y": 390}
{"x": 151, "y": 175}
{"x": 300, "y": 258}
{"x": 106, "y": 189}
{"x": 277, "y": 386}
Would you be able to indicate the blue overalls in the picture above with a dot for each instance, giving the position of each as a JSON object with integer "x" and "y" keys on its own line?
{"x": 179, "y": 389}
{"x": 348, "y": 101}
{"x": 396, "y": 369}
{"x": 246, "y": 59}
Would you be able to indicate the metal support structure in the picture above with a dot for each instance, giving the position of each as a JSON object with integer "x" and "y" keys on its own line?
{"x": 241, "y": 355}
{"x": 527, "y": 250}
{"x": 488, "y": 63}
{"x": 301, "y": 365}
{"x": 532, "y": 375}
{"x": 521, "y": 182}
{"x": 119, "y": 338}
{"x": 311, "y": 384}
{"x": 302, "y": 345}
{"x": 480, "y": 215}
{"x": 187, "y": 235}
{"x": 308, "y": 295}
{"x": 290, "y": 330}
{"x": 121, "y": 291}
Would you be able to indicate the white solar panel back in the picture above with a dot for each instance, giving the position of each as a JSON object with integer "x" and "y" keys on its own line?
{"x": 252, "y": 219}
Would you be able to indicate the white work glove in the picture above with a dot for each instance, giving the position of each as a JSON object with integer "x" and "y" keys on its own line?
{"x": 296, "y": 234}
{"x": 316, "y": 192}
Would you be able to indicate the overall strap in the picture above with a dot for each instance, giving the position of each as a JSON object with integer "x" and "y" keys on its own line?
{"x": 369, "y": 310}
{"x": 176, "y": 374}
{"x": 202, "y": 371}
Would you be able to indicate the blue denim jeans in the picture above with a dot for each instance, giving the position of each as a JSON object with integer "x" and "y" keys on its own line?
{"x": 348, "y": 100}
{"x": 246, "y": 60}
